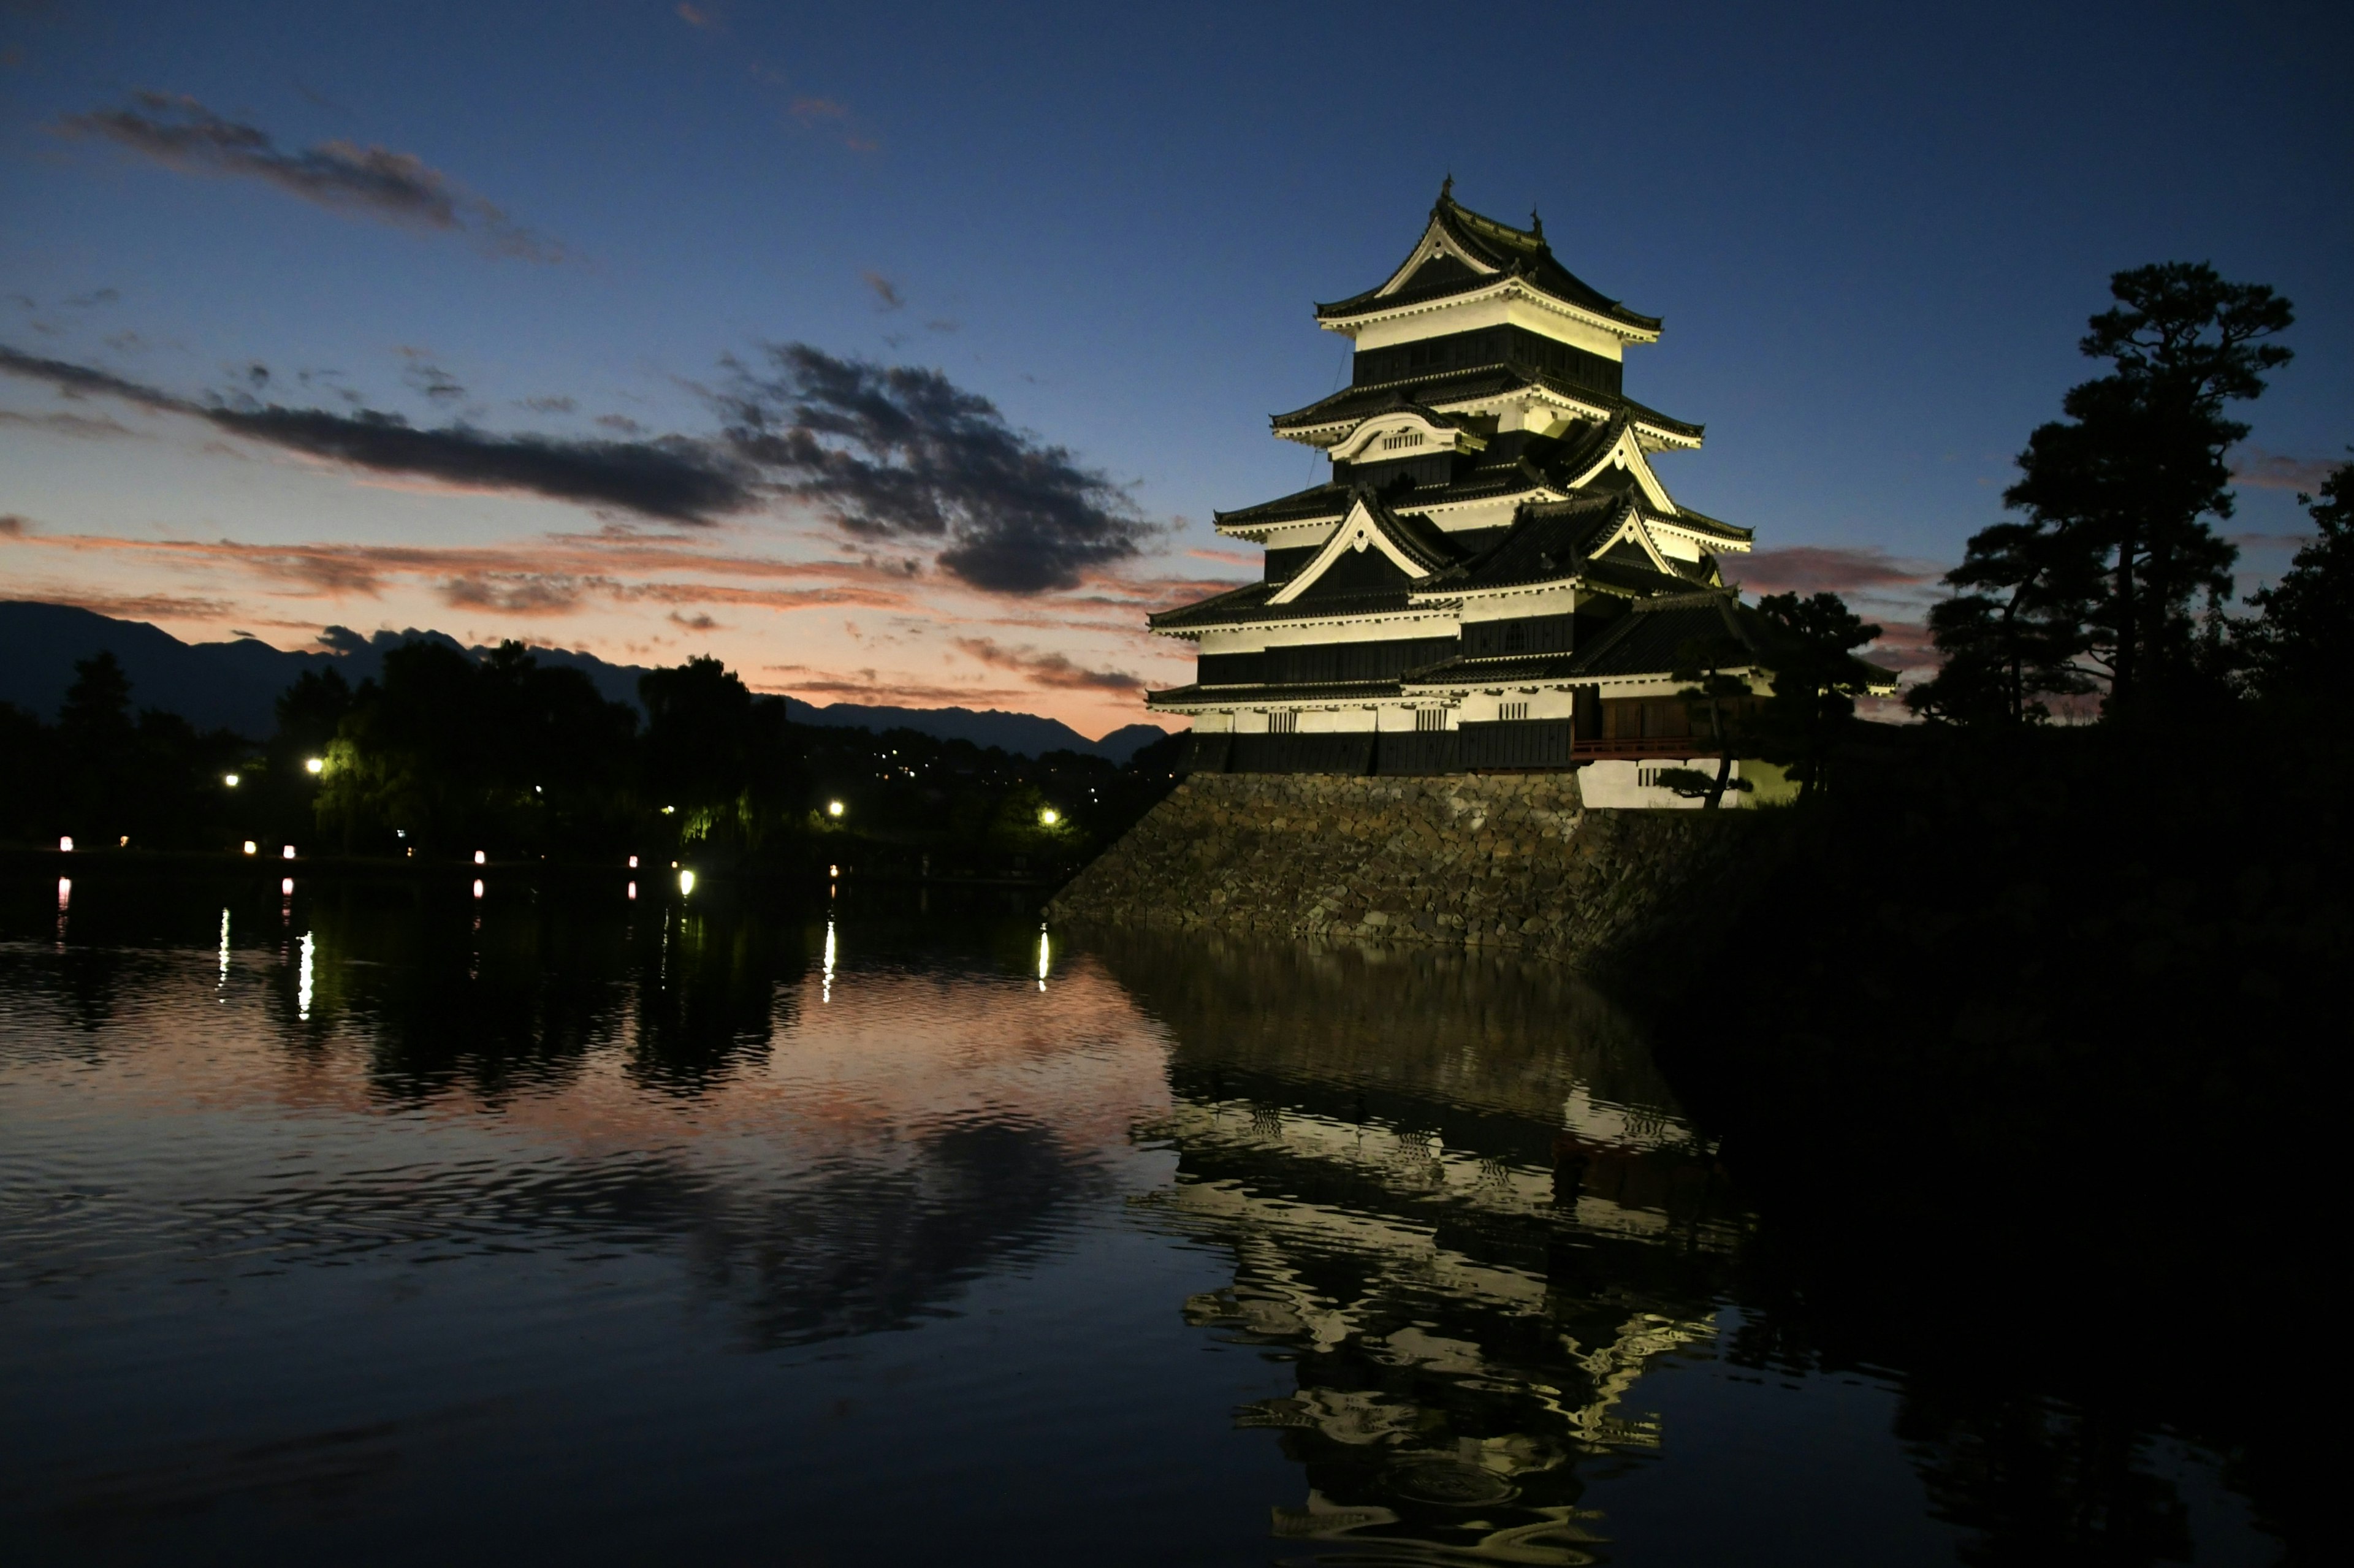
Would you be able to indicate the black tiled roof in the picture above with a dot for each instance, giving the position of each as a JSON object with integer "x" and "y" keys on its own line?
{"x": 1702, "y": 523}
{"x": 1646, "y": 639}
{"x": 1248, "y": 603}
{"x": 1343, "y": 691}
{"x": 1353, "y": 403}
{"x": 1519, "y": 252}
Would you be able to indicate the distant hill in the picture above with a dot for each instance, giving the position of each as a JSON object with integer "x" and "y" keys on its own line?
{"x": 234, "y": 685}
{"x": 1026, "y": 734}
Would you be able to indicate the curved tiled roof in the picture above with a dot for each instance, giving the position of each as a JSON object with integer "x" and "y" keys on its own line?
{"x": 1520, "y": 253}
{"x": 1352, "y": 404}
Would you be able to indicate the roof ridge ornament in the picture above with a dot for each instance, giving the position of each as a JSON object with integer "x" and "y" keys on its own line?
{"x": 1536, "y": 224}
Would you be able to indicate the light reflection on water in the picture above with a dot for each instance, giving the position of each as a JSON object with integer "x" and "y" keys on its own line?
{"x": 575, "y": 1228}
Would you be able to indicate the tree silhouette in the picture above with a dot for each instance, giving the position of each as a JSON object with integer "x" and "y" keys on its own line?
{"x": 2299, "y": 649}
{"x": 2016, "y": 631}
{"x": 1706, "y": 665}
{"x": 2133, "y": 474}
{"x": 1816, "y": 678}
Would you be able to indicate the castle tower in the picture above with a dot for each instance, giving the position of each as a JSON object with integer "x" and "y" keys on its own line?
{"x": 1493, "y": 576}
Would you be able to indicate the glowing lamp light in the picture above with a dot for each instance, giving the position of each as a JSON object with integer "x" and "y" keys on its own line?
{"x": 1049, "y": 817}
{"x": 669, "y": 810}
{"x": 65, "y": 845}
{"x": 286, "y": 854}
{"x": 833, "y": 871}
{"x": 230, "y": 780}
{"x": 834, "y": 808}
{"x": 686, "y": 882}
{"x": 478, "y": 888}
{"x": 286, "y": 886}
{"x": 633, "y": 862}
{"x": 252, "y": 848}
{"x": 315, "y": 764}
{"x": 479, "y": 859}
{"x": 633, "y": 890}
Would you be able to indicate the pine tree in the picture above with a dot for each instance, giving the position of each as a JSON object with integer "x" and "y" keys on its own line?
{"x": 2136, "y": 469}
{"x": 2300, "y": 647}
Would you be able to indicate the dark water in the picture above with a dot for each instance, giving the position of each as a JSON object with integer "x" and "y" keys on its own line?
{"x": 360, "y": 1227}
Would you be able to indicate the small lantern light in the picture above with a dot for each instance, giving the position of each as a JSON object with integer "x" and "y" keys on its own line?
{"x": 834, "y": 808}
{"x": 286, "y": 854}
{"x": 686, "y": 882}
{"x": 230, "y": 780}
{"x": 252, "y": 848}
{"x": 315, "y": 764}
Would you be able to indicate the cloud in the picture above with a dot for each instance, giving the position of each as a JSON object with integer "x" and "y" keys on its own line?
{"x": 901, "y": 453}
{"x": 620, "y": 424}
{"x": 423, "y": 376}
{"x": 2260, "y": 469}
{"x": 1047, "y": 669}
{"x": 393, "y": 187}
{"x": 701, "y": 18}
{"x": 815, "y": 111}
{"x": 596, "y": 564}
{"x": 887, "y": 292}
{"x": 696, "y": 622}
{"x": 549, "y": 405}
{"x": 674, "y": 478}
{"x": 517, "y": 593}
{"x": 15, "y": 525}
{"x": 95, "y": 297}
{"x": 81, "y": 426}
{"x": 1835, "y": 568}
{"x": 1235, "y": 557}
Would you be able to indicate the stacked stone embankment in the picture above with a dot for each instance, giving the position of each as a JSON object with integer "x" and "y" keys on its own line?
{"x": 1479, "y": 860}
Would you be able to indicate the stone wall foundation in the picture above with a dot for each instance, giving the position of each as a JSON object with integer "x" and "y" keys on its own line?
{"x": 1477, "y": 860}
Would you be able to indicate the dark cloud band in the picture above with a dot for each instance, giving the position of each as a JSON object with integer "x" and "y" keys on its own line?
{"x": 675, "y": 478}
{"x": 396, "y": 187}
{"x": 898, "y": 452}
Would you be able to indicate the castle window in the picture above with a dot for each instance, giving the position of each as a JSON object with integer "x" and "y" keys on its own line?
{"x": 1402, "y": 438}
{"x": 1430, "y": 718}
{"x": 1512, "y": 711}
{"x": 1284, "y": 723}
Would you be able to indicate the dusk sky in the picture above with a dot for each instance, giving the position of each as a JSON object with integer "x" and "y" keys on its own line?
{"x": 901, "y": 354}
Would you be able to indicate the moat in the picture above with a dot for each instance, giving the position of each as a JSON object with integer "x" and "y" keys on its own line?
{"x": 367, "y": 1226}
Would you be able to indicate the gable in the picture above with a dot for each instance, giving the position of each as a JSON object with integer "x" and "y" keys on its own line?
{"x": 1626, "y": 453}
{"x": 1435, "y": 244}
{"x": 1363, "y": 531}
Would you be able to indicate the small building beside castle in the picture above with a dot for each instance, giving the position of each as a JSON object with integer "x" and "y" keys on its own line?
{"x": 1493, "y": 578}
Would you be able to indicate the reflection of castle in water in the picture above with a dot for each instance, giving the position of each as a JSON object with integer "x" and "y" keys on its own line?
{"x": 1463, "y": 1206}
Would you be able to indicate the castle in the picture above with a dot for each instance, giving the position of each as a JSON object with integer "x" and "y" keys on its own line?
{"x": 1493, "y": 578}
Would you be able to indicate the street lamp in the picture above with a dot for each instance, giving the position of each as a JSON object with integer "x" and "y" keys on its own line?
{"x": 230, "y": 779}
{"x": 834, "y": 808}
{"x": 315, "y": 764}
{"x": 1049, "y": 817}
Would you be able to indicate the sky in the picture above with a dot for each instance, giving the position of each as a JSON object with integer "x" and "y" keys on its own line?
{"x": 902, "y": 353}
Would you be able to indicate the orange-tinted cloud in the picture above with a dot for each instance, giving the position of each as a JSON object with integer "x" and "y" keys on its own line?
{"x": 1826, "y": 568}
{"x": 1047, "y": 669}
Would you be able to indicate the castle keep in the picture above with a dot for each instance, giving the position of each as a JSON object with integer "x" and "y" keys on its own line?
{"x": 1493, "y": 578}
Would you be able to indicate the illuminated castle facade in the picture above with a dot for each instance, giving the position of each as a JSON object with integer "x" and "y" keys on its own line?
{"x": 1493, "y": 576}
